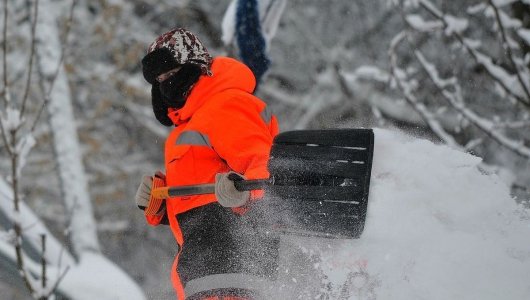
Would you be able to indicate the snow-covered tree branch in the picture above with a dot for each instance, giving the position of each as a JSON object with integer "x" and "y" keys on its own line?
{"x": 54, "y": 269}
{"x": 456, "y": 101}
{"x": 496, "y": 59}
{"x": 400, "y": 78}
{"x": 71, "y": 171}
{"x": 514, "y": 85}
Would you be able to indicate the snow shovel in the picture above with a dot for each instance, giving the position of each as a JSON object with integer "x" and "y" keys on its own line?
{"x": 318, "y": 186}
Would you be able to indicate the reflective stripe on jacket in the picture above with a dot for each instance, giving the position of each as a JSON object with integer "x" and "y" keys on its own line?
{"x": 221, "y": 127}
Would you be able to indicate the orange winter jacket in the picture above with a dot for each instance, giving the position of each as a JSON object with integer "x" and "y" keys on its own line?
{"x": 221, "y": 127}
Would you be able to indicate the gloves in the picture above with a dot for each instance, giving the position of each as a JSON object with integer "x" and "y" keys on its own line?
{"x": 226, "y": 193}
{"x": 143, "y": 194}
{"x": 143, "y": 198}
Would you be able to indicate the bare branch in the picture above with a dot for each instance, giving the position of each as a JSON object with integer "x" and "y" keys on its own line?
{"x": 4, "y": 56}
{"x": 4, "y": 138}
{"x": 344, "y": 87}
{"x": 45, "y": 102}
{"x": 58, "y": 281}
{"x": 20, "y": 261}
{"x": 513, "y": 124}
{"x": 43, "y": 261}
{"x": 455, "y": 99}
{"x": 16, "y": 224}
{"x": 509, "y": 49}
{"x": 451, "y": 90}
{"x": 31, "y": 55}
{"x": 427, "y": 116}
{"x": 9, "y": 136}
{"x": 47, "y": 94}
{"x": 476, "y": 55}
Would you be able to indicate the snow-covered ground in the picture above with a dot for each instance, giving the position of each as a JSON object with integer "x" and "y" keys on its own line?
{"x": 437, "y": 228}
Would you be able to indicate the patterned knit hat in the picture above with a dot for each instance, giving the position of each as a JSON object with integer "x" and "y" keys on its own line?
{"x": 172, "y": 49}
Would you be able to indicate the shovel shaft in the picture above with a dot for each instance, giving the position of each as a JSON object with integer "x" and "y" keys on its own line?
{"x": 208, "y": 188}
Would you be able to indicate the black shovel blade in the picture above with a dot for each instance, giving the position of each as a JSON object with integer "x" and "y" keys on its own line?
{"x": 321, "y": 180}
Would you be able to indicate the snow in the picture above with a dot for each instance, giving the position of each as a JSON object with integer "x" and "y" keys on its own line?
{"x": 436, "y": 228}
{"x": 418, "y": 23}
{"x": 499, "y": 74}
{"x": 456, "y": 100}
{"x": 11, "y": 119}
{"x": 473, "y": 44}
{"x": 474, "y": 9}
{"x": 8, "y": 237}
{"x": 92, "y": 277}
{"x": 371, "y": 72}
{"x": 74, "y": 184}
{"x": 501, "y": 3}
{"x": 95, "y": 277}
{"x": 455, "y": 25}
{"x": 228, "y": 27}
{"x": 23, "y": 148}
{"x": 452, "y": 24}
{"x": 33, "y": 227}
{"x": 507, "y": 21}
{"x": 524, "y": 34}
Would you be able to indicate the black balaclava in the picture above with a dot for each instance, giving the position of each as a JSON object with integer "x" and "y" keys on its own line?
{"x": 172, "y": 92}
{"x": 178, "y": 48}
{"x": 159, "y": 106}
{"x": 175, "y": 89}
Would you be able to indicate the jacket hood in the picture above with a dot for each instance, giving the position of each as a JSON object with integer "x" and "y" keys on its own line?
{"x": 227, "y": 73}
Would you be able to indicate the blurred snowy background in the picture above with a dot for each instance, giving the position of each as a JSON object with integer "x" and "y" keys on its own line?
{"x": 453, "y": 72}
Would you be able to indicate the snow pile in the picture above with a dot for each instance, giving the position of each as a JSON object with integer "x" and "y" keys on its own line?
{"x": 437, "y": 228}
{"x": 95, "y": 277}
